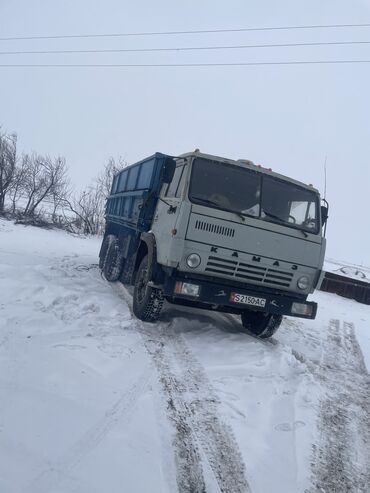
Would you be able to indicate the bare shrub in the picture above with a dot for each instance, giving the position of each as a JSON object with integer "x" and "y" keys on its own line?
{"x": 105, "y": 179}
{"x": 88, "y": 206}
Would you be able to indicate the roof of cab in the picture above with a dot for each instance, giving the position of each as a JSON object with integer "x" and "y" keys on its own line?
{"x": 245, "y": 163}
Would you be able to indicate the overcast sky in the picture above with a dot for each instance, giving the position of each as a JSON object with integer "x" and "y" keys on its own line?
{"x": 285, "y": 117}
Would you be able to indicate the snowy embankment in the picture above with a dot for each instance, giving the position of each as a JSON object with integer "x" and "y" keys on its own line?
{"x": 94, "y": 401}
{"x": 361, "y": 273}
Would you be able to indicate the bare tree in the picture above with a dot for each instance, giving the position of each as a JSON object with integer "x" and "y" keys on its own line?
{"x": 17, "y": 187}
{"x": 8, "y": 157}
{"x": 42, "y": 179}
{"x": 87, "y": 208}
{"x": 60, "y": 193}
{"x": 105, "y": 179}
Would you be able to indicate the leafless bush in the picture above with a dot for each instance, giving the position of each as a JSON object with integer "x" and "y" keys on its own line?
{"x": 89, "y": 205}
{"x": 105, "y": 179}
{"x": 39, "y": 219}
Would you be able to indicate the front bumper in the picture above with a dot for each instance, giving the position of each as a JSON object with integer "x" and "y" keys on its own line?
{"x": 217, "y": 296}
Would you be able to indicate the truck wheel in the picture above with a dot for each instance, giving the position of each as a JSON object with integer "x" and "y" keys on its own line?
{"x": 128, "y": 270}
{"x": 104, "y": 250}
{"x": 114, "y": 261}
{"x": 262, "y": 325}
{"x": 147, "y": 301}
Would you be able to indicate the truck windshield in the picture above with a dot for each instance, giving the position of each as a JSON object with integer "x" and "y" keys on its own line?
{"x": 250, "y": 193}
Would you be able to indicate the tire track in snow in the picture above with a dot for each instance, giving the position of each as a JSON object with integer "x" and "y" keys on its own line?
{"x": 216, "y": 438}
{"x": 341, "y": 461}
{"x": 188, "y": 459}
{"x": 206, "y": 452}
{"x": 61, "y": 470}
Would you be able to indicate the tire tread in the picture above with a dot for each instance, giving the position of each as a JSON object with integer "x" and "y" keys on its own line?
{"x": 262, "y": 325}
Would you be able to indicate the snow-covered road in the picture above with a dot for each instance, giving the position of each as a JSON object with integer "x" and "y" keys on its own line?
{"x": 93, "y": 401}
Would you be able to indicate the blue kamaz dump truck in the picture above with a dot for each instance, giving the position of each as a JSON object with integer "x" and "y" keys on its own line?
{"x": 215, "y": 233}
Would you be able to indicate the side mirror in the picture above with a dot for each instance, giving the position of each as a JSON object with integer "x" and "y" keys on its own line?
{"x": 168, "y": 170}
{"x": 324, "y": 214}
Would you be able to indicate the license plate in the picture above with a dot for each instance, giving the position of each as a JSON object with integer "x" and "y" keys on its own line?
{"x": 247, "y": 300}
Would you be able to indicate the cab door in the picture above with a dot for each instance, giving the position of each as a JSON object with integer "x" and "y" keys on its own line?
{"x": 166, "y": 217}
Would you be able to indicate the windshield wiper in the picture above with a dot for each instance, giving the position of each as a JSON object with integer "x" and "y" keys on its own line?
{"x": 269, "y": 214}
{"x": 207, "y": 201}
{"x": 216, "y": 204}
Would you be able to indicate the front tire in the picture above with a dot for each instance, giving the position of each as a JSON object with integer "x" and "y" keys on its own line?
{"x": 147, "y": 301}
{"x": 262, "y": 325}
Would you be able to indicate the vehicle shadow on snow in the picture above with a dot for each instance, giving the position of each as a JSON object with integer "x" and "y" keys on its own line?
{"x": 198, "y": 320}
{"x": 221, "y": 321}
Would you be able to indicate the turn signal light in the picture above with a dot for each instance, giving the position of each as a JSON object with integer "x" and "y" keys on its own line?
{"x": 301, "y": 309}
{"x": 186, "y": 288}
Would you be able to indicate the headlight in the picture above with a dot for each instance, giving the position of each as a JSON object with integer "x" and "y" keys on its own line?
{"x": 303, "y": 282}
{"x": 193, "y": 260}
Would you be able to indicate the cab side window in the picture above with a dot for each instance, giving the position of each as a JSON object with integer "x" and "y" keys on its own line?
{"x": 173, "y": 189}
{"x": 181, "y": 186}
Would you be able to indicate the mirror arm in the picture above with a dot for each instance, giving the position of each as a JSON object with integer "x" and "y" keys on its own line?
{"x": 171, "y": 208}
{"x": 164, "y": 201}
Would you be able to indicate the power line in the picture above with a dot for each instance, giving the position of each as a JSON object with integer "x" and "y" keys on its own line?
{"x": 187, "y": 48}
{"x": 200, "y": 31}
{"x": 133, "y": 65}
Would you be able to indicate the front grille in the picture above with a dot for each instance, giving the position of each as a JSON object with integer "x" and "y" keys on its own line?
{"x": 249, "y": 272}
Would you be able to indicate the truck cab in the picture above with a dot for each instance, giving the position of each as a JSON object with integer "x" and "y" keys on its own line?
{"x": 220, "y": 234}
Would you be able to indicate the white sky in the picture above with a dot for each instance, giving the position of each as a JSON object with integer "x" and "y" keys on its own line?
{"x": 284, "y": 117}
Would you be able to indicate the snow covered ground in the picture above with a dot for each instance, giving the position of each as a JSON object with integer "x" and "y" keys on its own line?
{"x": 94, "y": 401}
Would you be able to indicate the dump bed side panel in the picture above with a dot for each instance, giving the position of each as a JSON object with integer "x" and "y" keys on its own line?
{"x": 135, "y": 192}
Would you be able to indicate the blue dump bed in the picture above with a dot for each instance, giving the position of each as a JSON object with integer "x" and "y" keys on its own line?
{"x": 135, "y": 192}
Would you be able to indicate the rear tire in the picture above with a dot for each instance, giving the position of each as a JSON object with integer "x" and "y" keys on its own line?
{"x": 128, "y": 269}
{"x": 262, "y": 325}
{"x": 114, "y": 261}
{"x": 104, "y": 250}
{"x": 147, "y": 301}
